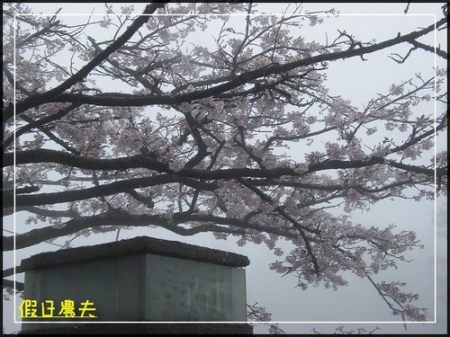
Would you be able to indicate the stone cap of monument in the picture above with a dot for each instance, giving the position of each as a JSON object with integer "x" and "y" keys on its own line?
{"x": 138, "y": 245}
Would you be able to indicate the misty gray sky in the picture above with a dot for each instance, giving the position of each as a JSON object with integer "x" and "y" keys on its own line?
{"x": 358, "y": 302}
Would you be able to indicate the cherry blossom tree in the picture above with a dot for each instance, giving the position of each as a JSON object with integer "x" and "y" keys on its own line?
{"x": 129, "y": 120}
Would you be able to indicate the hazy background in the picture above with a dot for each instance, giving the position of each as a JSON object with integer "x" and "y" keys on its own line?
{"x": 359, "y": 302}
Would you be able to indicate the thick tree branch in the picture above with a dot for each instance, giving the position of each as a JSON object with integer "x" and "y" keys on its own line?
{"x": 38, "y": 123}
{"x": 139, "y": 161}
{"x": 114, "y": 99}
{"x": 100, "y": 191}
{"x": 20, "y": 286}
{"x": 48, "y": 96}
{"x": 211, "y": 224}
{"x": 439, "y": 52}
{"x": 53, "y": 156}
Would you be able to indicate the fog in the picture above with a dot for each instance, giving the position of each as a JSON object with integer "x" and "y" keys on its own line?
{"x": 358, "y": 304}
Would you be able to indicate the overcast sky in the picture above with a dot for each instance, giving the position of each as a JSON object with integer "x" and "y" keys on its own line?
{"x": 358, "y": 82}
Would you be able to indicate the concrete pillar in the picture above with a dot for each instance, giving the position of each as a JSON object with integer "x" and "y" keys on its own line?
{"x": 136, "y": 281}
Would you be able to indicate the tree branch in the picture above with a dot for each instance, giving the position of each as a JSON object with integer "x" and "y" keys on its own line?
{"x": 48, "y": 96}
{"x": 114, "y": 99}
{"x": 101, "y": 190}
{"x": 211, "y": 224}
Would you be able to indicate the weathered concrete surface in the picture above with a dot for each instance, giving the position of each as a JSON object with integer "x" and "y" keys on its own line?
{"x": 142, "y": 279}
